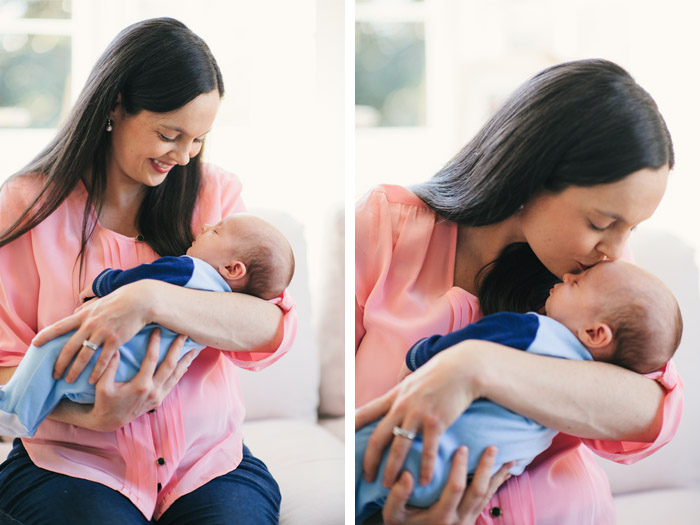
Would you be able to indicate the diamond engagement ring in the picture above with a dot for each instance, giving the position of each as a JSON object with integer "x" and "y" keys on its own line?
{"x": 398, "y": 431}
{"x": 90, "y": 345}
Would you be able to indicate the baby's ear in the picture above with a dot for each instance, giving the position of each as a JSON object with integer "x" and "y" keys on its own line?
{"x": 598, "y": 335}
{"x": 233, "y": 271}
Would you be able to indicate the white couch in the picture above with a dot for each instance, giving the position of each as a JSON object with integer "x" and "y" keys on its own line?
{"x": 298, "y": 431}
{"x": 665, "y": 487}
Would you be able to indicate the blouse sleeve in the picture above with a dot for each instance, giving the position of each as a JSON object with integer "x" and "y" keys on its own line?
{"x": 628, "y": 452}
{"x": 373, "y": 251}
{"x": 222, "y": 192}
{"x": 19, "y": 281}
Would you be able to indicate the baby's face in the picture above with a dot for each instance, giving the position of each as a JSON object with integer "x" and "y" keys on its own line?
{"x": 580, "y": 297}
{"x": 215, "y": 243}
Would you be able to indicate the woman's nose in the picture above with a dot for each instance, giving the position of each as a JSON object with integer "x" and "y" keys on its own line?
{"x": 181, "y": 154}
{"x": 613, "y": 250}
{"x": 612, "y": 246}
{"x": 567, "y": 277}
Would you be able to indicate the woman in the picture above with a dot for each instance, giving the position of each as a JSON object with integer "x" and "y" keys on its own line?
{"x": 553, "y": 183}
{"x": 121, "y": 184}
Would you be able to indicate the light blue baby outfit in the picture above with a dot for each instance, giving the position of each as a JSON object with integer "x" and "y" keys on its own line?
{"x": 32, "y": 392}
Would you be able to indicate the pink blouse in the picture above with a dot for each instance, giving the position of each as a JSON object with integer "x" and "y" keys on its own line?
{"x": 404, "y": 269}
{"x": 195, "y": 435}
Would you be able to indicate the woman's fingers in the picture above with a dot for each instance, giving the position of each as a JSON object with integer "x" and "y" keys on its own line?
{"x": 172, "y": 367}
{"x": 480, "y": 488}
{"x": 377, "y": 442}
{"x": 431, "y": 441}
{"x": 59, "y": 328}
{"x": 76, "y": 354}
{"x": 374, "y": 409}
{"x": 109, "y": 348}
{"x": 394, "y": 510}
{"x": 106, "y": 381}
{"x": 177, "y": 374}
{"x": 400, "y": 445}
{"x": 499, "y": 478}
{"x": 148, "y": 366}
{"x": 453, "y": 492}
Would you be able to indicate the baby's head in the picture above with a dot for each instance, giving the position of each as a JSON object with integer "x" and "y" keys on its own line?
{"x": 622, "y": 313}
{"x": 250, "y": 254}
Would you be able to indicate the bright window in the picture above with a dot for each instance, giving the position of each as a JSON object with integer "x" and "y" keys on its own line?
{"x": 35, "y": 62}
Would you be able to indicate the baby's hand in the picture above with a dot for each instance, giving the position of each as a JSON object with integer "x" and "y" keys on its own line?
{"x": 86, "y": 294}
{"x": 403, "y": 372}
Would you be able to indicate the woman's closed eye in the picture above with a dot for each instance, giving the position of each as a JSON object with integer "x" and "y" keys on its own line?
{"x": 166, "y": 139}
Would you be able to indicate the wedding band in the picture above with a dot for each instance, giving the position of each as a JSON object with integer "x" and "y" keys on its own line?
{"x": 398, "y": 431}
{"x": 90, "y": 345}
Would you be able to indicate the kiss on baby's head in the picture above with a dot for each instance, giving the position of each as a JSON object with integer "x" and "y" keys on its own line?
{"x": 622, "y": 313}
{"x": 250, "y": 254}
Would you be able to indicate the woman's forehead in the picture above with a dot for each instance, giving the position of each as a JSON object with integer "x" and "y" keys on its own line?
{"x": 631, "y": 200}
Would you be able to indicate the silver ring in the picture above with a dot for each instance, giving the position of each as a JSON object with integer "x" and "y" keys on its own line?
{"x": 400, "y": 432}
{"x": 92, "y": 346}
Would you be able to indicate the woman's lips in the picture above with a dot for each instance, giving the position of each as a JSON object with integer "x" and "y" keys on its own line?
{"x": 583, "y": 267}
{"x": 161, "y": 167}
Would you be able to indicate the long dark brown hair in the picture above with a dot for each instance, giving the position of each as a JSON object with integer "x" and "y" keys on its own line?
{"x": 580, "y": 123}
{"x": 157, "y": 65}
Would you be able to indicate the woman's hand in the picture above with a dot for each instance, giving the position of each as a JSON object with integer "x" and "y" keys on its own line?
{"x": 426, "y": 402}
{"x": 117, "y": 404}
{"x": 456, "y": 505}
{"x": 108, "y": 322}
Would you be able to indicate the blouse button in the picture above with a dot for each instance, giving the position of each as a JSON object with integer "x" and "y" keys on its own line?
{"x": 495, "y": 512}
{"x": 161, "y": 461}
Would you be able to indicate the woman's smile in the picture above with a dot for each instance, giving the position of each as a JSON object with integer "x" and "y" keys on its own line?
{"x": 161, "y": 167}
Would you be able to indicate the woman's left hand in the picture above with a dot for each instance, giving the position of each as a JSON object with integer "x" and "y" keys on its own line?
{"x": 108, "y": 322}
{"x": 426, "y": 402}
{"x": 117, "y": 404}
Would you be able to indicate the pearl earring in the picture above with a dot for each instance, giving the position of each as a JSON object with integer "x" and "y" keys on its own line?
{"x": 109, "y": 125}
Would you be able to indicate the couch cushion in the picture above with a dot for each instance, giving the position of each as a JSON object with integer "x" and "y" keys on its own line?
{"x": 677, "y": 507}
{"x": 330, "y": 319}
{"x": 675, "y": 465}
{"x": 294, "y": 379}
{"x": 307, "y": 462}
{"x": 334, "y": 425}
